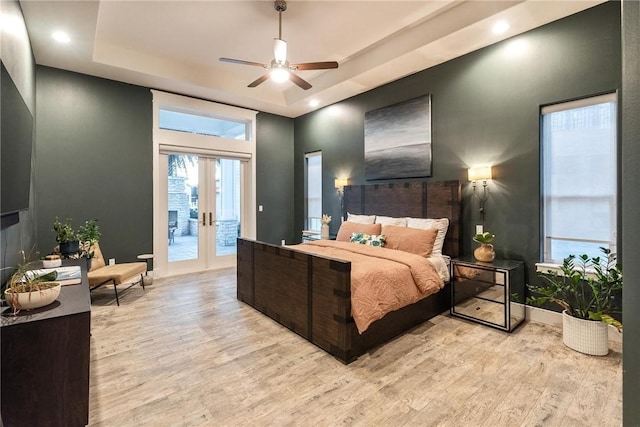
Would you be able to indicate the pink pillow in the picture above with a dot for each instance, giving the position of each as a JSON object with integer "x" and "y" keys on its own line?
{"x": 413, "y": 240}
{"x": 348, "y": 228}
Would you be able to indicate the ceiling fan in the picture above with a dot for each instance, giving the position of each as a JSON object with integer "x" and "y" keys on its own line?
{"x": 279, "y": 69}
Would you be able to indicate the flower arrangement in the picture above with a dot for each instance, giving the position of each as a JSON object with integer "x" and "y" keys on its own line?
{"x": 326, "y": 219}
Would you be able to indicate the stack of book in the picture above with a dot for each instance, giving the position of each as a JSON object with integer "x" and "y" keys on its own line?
{"x": 64, "y": 275}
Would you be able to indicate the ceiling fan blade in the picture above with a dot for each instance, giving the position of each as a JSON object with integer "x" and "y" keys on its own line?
{"x": 315, "y": 65}
{"x": 299, "y": 81}
{"x": 241, "y": 62}
{"x": 280, "y": 50}
{"x": 259, "y": 80}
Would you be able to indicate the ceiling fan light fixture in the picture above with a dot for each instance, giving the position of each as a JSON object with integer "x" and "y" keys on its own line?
{"x": 279, "y": 74}
{"x": 279, "y": 70}
{"x": 280, "y": 50}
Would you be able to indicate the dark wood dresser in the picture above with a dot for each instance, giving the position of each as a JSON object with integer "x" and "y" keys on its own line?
{"x": 45, "y": 353}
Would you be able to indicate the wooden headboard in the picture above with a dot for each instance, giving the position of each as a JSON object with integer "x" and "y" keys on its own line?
{"x": 428, "y": 199}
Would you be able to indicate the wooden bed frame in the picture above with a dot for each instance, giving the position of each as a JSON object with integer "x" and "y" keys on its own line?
{"x": 311, "y": 294}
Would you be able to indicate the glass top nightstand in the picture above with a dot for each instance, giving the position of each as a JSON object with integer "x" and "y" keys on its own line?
{"x": 491, "y": 293}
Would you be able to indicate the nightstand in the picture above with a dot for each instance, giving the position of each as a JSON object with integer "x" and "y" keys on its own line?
{"x": 491, "y": 293}
{"x": 310, "y": 236}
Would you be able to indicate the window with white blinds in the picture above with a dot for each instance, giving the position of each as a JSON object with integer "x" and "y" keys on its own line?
{"x": 313, "y": 191}
{"x": 579, "y": 177}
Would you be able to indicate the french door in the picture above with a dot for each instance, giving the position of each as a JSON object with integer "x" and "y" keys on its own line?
{"x": 202, "y": 198}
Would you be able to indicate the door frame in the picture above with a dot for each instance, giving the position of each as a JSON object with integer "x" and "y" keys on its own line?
{"x": 206, "y": 145}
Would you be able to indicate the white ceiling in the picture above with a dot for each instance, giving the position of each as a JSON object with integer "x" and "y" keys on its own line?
{"x": 175, "y": 45}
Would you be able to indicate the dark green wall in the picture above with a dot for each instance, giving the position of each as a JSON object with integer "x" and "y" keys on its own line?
{"x": 485, "y": 109}
{"x": 630, "y": 209}
{"x": 94, "y": 159}
{"x": 274, "y": 178}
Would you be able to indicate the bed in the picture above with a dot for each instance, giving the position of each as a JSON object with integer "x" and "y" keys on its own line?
{"x": 311, "y": 294}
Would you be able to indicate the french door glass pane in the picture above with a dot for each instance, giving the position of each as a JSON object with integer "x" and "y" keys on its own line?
{"x": 183, "y": 207}
{"x": 228, "y": 183}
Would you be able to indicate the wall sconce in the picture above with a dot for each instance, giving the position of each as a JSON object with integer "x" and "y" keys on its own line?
{"x": 340, "y": 183}
{"x": 480, "y": 174}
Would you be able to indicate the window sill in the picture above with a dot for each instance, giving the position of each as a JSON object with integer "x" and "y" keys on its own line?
{"x": 545, "y": 267}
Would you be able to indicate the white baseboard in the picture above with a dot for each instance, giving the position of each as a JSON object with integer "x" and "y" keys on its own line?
{"x": 553, "y": 318}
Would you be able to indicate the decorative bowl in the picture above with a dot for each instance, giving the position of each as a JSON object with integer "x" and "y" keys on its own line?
{"x": 36, "y": 299}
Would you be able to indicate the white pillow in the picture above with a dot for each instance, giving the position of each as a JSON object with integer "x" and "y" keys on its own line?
{"x": 388, "y": 220}
{"x": 361, "y": 219}
{"x": 441, "y": 225}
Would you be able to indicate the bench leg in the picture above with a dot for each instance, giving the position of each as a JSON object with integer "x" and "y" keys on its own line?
{"x": 115, "y": 289}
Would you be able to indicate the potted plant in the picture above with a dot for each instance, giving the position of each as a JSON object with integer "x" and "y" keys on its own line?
{"x": 88, "y": 235}
{"x": 66, "y": 237}
{"x": 587, "y": 288}
{"x": 26, "y": 290}
{"x": 485, "y": 251}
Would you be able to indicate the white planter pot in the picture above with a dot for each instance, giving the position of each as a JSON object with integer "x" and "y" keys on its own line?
{"x": 31, "y": 300}
{"x": 586, "y": 336}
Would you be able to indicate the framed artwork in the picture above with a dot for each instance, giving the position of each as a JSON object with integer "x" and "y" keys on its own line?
{"x": 397, "y": 140}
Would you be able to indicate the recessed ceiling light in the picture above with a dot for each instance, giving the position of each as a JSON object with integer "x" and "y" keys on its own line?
{"x": 61, "y": 37}
{"x": 314, "y": 103}
{"x": 500, "y": 27}
{"x": 10, "y": 24}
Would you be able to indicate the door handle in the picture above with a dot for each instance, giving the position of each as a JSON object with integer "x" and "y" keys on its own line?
{"x": 204, "y": 219}
{"x": 210, "y": 218}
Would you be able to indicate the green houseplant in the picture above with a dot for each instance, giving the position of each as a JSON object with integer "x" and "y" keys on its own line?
{"x": 485, "y": 251}
{"x": 587, "y": 289}
{"x": 27, "y": 290}
{"x": 88, "y": 235}
{"x": 66, "y": 236}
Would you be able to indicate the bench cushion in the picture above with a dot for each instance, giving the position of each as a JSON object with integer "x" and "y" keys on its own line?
{"x": 120, "y": 273}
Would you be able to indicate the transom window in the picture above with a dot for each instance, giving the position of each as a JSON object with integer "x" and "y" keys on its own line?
{"x": 202, "y": 125}
{"x": 579, "y": 177}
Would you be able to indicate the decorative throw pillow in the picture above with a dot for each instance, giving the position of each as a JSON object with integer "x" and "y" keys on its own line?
{"x": 347, "y": 228}
{"x": 441, "y": 224}
{"x": 368, "y": 239}
{"x": 389, "y": 220}
{"x": 412, "y": 240}
{"x": 361, "y": 219}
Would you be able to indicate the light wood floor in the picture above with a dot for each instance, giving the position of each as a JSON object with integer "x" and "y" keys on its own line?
{"x": 187, "y": 353}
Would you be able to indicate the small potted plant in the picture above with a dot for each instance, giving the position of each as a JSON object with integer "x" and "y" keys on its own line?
{"x": 26, "y": 290}
{"x": 88, "y": 235}
{"x": 588, "y": 289}
{"x": 485, "y": 251}
{"x": 66, "y": 237}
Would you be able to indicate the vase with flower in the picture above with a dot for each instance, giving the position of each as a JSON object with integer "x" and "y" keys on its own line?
{"x": 324, "y": 231}
{"x": 485, "y": 251}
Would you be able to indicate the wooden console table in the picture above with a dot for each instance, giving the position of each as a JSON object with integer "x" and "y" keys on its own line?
{"x": 45, "y": 360}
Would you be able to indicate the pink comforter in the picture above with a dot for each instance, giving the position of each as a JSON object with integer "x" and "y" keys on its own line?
{"x": 382, "y": 280}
